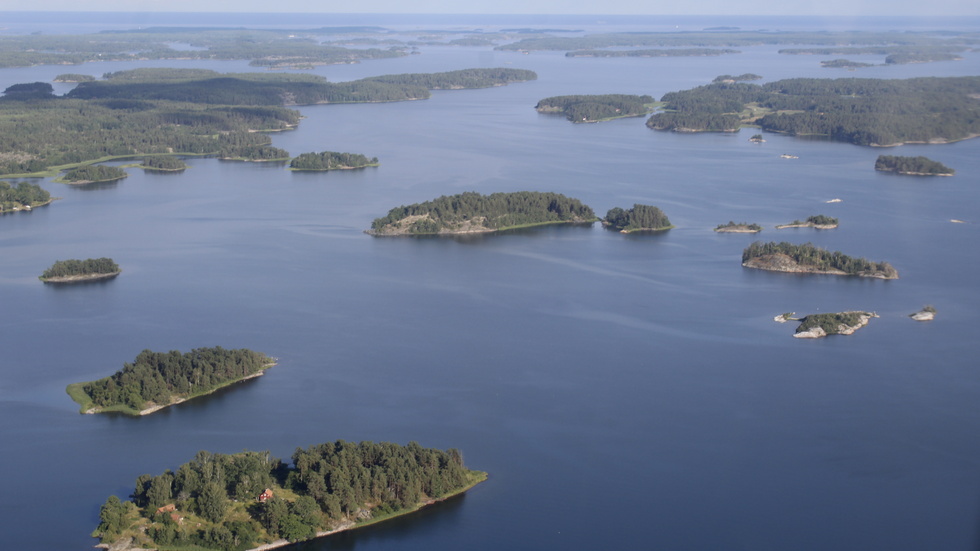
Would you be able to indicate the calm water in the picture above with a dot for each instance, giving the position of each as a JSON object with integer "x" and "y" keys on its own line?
{"x": 622, "y": 392}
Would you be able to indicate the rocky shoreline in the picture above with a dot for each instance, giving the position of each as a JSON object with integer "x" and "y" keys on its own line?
{"x": 79, "y": 278}
{"x": 842, "y": 328}
{"x": 783, "y": 263}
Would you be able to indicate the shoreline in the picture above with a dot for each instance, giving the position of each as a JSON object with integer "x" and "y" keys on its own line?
{"x": 796, "y": 268}
{"x": 808, "y": 225}
{"x": 350, "y": 525}
{"x": 481, "y": 230}
{"x": 79, "y": 278}
{"x": 156, "y": 408}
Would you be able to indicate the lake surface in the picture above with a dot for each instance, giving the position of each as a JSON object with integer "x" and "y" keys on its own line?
{"x": 622, "y": 391}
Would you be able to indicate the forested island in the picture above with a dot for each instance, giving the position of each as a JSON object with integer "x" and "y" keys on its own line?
{"x": 331, "y": 160}
{"x": 595, "y": 108}
{"x": 163, "y": 163}
{"x": 741, "y": 227}
{"x": 251, "y": 499}
{"x": 914, "y": 166}
{"x": 874, "y": 112}
{"x": 23, "y": 197}
{"x": 816, "y": 326}
{"x": 810, "y": 259}
{"x": 155, "y": 380}
{"x": 147, "y": 111}
{"x": 818, "y": 221}
{"x": 673, "y": 52}
{"x": 89, "y": 174}
{"x": 844, "y": 64}
{"x": 472, "y": 212}
{"x": 737, "y": 78}
{"x": 77, "y": 271}
{"x": 73, "y": 77}
{"x": 638, "y": 218}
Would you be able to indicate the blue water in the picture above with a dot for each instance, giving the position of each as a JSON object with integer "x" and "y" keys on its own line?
{"x": 622, "y": 391}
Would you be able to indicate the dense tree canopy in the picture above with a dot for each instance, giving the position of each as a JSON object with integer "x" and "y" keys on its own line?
{"x": 163, "y": 162}
{"x": 331, "y": 160}
{"x": 160, "y": 378}
{"x": 239, "y": 501}
{"x": 94, "y": 173}
{"x": 594, "y": 108}
{"x": 472, "y": 211}
{"x": 912, "y": 165}
{"x": 640, "y": 217}
{"x": 24, "y": 194}
{"x": 74, "y": 267}
{"x": 813, "y": 258}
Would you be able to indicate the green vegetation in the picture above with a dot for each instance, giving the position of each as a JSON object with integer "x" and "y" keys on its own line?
{"x": 73, "y": 77}
{"x": 918, "y": 166}
{"x": 738, "y": 78}
{"x": 638, "y": 218}
{"x": 187, "y": 111}
{"x": 834, "y": 323}
{"x": 675, "y": 52}
{"x": 895, "y": 54}
{"x": 331, "y": 160}
{"x": 859, "y": 111}
{"x": 23, "y": 196}
{"x": 163, "y": 163}
{"x": 93, "y": 173}
{"x": 844, "y": 64}
{"x": 817, "y": 221}
{"x": 280, "y": 48}
{"x": 472, "y": 212}
{"x": 808, "y": 258}
{"x": 67, "y": 270}
{"x": 596, "y": 108}
{"x": 239, "y": 501}
{"x": 741, "y": 227}
{"x": 159, "y": 379}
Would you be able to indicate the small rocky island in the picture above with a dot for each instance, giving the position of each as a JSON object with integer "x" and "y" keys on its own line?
{"x": 155, "y": 380}
{"x": 928, "y": 313}
{"x": 640, "y": 218}
{"x": 741, "y": 227}
{"x": 810, "y": 259}
{"x": 251, "y": 500}
{"x": 818, "y": 221}
{"x": 471, "y": 212}
{"x": 78, "y": 271}
{"x": 816, "y": 326}
{"x": 912, "y": 166}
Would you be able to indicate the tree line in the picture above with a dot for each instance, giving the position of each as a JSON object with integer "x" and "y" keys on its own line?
{"x": 815, "y": 257}
{"x": 640, "y": 217}
{"x": 239, "y": 501}
{"x": 161, "y": 377}
{"x": 94, "y": 173}
{"x": 592, "y": 108}
{"x": 24, "y": 194}
{"x": 490, "y": 212}
{"x": 911, "y": 165}
{"x": 75, "y": 267}
{"x": 331, "y": 160}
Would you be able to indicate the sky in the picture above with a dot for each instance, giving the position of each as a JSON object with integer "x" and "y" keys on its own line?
{"x": 605, "y": 7}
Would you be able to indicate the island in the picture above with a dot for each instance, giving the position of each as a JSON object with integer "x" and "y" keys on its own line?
{"x": 741, "y": 227}
{"x": 861, "y": 111}
{"x": 471, "y": 212}
{"x": 24, "y": 197}
{"x": 596, "y": 108}
{"x": 928, "y": 313}
{"x": 673, "y": 52}
{"x": 913, "y": 166}
{"x": 737, "y": 78}
{"x": 155, "y": 380}
{"x": 844, "y": 64}
{"x": 159, "y": 111}
{"x": 816, "y": 326}
{"x": 810, "y": 259}
{"x": 163, "y": 163}
{"x": 90, "y": 174}
{"x": 757, "y": 138}
{"x": 73, "y": 77}
{"x": 331, "y": 160}
{"x": 77, "y": 271}
{"x": 251, "y": 500}
{"x": 639, "y": 218}
{"x": 818, "y": 221}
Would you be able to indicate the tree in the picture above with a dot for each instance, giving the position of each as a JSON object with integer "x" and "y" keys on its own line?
{"x": 213, "y": 502}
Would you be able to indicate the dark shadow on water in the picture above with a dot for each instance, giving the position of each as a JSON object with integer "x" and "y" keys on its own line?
{"x": 390, "y": 531}
{"x": 193, "y": 406}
